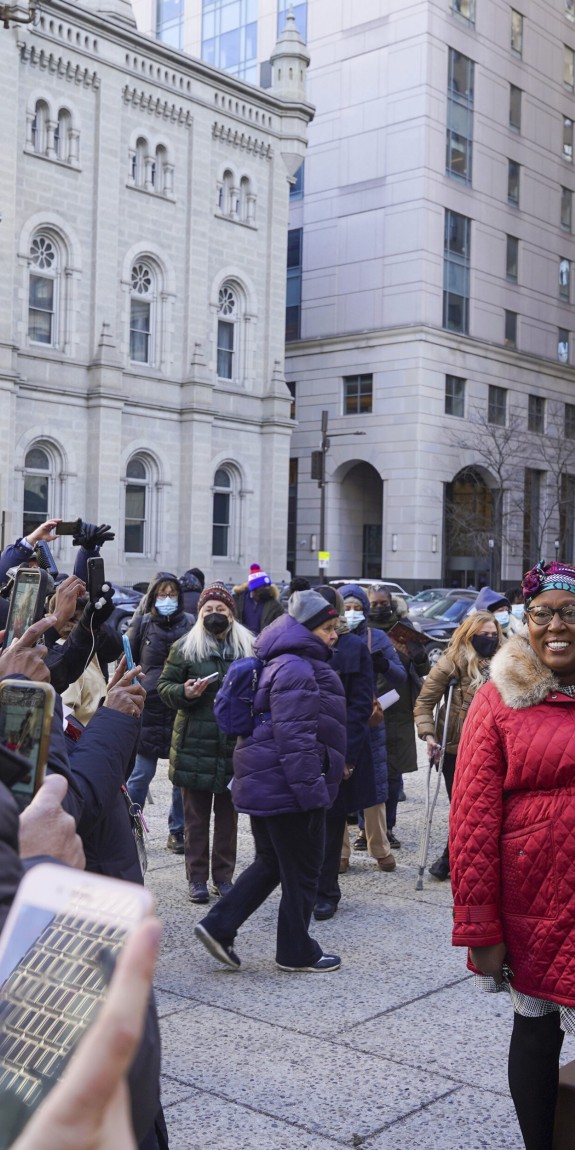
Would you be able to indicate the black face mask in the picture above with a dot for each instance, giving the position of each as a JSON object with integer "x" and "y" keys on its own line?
{"x": 216, "y": 623}
{"x": 485, "y": 645}
{"x": 382, "y": 614}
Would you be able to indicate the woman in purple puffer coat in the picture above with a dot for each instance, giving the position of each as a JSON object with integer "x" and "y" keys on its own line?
{"x": 286, "y": 775}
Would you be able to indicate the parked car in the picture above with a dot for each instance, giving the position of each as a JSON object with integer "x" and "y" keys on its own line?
{"x": 126, "y": 600}
{"x": 418, "y": 603}
{"x": 439, "y": 621}
{"x": 393, "y": 588}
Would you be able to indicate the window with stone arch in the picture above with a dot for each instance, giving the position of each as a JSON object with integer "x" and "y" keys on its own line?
{"x": 143, "y": 312}
{"x": 138, "y": 506}
{"x": 63, "y": 136}
{"x": 229, "y": 332}
{"x": 247, "y": 206}
{"x": 42, "y": 470}
{"x": 224, "y": 513}
{"x": 44, "y": 289}
{"x": 138, "y": 159}
{"x": 39, "y": 128}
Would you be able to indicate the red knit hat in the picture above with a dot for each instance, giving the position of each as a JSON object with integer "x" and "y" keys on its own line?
{"x": 220, "y": 592}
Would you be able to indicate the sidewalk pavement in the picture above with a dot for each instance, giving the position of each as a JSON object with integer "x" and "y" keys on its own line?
{"x": 395, "y": 1051}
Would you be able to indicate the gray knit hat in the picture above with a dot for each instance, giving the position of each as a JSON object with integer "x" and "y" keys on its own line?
{"x": 310, "y": 609}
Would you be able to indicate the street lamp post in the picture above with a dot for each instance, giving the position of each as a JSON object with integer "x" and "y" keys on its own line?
{"x": 491, "y": 561}
{"x": 556, "y": 545}
{"x": 318, "y": 471}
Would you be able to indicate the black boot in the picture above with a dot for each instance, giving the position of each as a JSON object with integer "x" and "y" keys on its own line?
{"x": 440, "y": 868}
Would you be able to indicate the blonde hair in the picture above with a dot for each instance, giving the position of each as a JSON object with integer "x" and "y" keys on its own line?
{"x": 463, "y": 653}
{"x": 199, "y": 644}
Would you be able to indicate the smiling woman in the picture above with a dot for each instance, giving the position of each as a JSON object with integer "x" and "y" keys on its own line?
{"x": 512, "y": 839}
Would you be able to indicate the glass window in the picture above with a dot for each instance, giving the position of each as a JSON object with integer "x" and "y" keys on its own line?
{"x": 455, "y": 396}
{"x": 229, "y": 36}
{"x": 459, "y": 116}
{"x": 570, "y": 420}
{"x": 497, "y": 405}
{"x": 300, "y": 13}
{"x": 568, "y": 59}
{"x": 296, "y": 188}
{"x": 62, "y": 135}
{"x": 465, "y": 8}
{"x": 37, "y": 481}
{"x": 294, "y": 283}
{"x": 566, "y": 208}
{"x": 141, "y": 314}
{"x": 564, "y": 279}
{"x": 456, "y": 264}
{"x": 510, "y": 329}
{"x": 536, "y": 414}
{"x": 136, "y": 506}
{"x": 516, "y": 32}
{"x": 513, "y": 174}
{"x": 291, "y": 386}
{"x": 221, "y": 513}
{"x": 568, "y": 139}
{"x": 40, "y": 128}
{"x": 227, "y": 317}
{"x": 515, "y": 107}
{"x": 570, "y": 10}
{"x": 42, "y": 291}
{"x": 357, "y": 394}
{"x": 563, "y": 345}
{"x": 512, "y": 258}
{"x": 170, "y": 22}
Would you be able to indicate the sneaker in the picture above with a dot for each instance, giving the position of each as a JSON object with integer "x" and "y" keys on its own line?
{"x": 360, "y": 843}
{"x": 222, "y": 888}
{"x": 198, "y": 892}
{"x": 223, "y": 953}
{"x": 175, "y": 844}
{"x": 326, "y": 962}
{"x": 388, "y": 863}
{"x": 393, "y": 842}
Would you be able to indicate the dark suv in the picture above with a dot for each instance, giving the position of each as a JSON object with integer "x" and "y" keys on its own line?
{"x": 439, "y": 621}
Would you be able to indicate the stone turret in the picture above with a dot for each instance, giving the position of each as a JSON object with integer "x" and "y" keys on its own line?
{"x": 289, "y": 61}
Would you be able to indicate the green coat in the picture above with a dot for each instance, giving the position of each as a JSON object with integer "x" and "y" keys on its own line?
{"x": 200, "y": 754}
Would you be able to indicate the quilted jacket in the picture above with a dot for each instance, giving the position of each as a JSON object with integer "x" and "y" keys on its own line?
{"x": 295, "y": 758}
{"x": 434, "y": 689}
{"x": 512, "y": 824}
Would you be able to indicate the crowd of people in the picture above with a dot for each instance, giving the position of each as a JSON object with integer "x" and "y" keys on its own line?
{"x": 320, "y": 736}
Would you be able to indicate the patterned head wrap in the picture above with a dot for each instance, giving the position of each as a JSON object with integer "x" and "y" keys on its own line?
{"x": 547, "y": 577}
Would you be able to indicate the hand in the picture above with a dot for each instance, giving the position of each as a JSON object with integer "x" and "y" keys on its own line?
{"x": 193, "y": 688}
{"x": 44, "y": 531}
{"x": 125, "y": 695}
{"x": 92, "y": 616}
{"x": 89, "y": 1108}
{"x": 489, "y": 959}
{"x": 90, "y": 535}
{"x": 348, "y": 771}
{"x": 433, "y": 747}
{"x": 23, "y": 657}
{"x": 47, "y": 829}
{"x": 67, "y": 594}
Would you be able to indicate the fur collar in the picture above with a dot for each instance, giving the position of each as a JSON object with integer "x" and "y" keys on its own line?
{"x": 519, "y": 676}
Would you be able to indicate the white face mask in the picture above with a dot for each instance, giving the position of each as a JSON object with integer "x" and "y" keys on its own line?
{"x": 518, "y": 610}
{"x": 354, "y": 618}
{"x": 502, "y": 617}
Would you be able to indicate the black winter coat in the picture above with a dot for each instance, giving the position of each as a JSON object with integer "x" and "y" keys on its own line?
{"x": 191, "y": 589}
{"x": 352, "y": 661}
{"x": 151, "y": 636}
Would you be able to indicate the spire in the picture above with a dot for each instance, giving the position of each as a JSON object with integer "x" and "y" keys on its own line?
{"x": 289, "y": 61}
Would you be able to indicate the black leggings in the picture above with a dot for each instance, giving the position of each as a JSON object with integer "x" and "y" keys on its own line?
{"x": 534, "y": 1075}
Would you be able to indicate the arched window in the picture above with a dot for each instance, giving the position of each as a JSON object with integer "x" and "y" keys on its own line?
{"x": 38, "y": 482}
{"x": 62, "y": 135}
{"x": 139, "y": 162}
{"x": 227, "y": 195}
{"x": 43, "y": 292}
{"x": 247, "y": 208}
{"x": 228, "y": 315}
{"x": 222, "y": 513}
{"x": 137, "y": 508}
{"x": 159, "y": 170}
{"x": 142, "y": 312}
{"x": 40, "y": 128}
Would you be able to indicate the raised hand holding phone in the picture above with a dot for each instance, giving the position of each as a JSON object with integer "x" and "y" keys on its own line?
{"x": 23, "y": 657}
{"x": 26, "y": 602}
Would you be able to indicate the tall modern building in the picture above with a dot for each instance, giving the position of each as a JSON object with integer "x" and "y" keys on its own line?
{"x": 144, "y": 201}
{"x": 430, "y": 278}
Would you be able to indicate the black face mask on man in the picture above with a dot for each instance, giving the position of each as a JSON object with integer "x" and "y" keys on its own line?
{"x": 381, "y": 612}
{"x": 216, "y": 622}
{"x": 485, "y": 645}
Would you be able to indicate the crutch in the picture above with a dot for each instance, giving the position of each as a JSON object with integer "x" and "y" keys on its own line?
{"x": 429, "y": 801}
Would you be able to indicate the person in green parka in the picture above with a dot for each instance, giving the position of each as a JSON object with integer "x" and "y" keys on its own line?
{"x": 201, "y": 754}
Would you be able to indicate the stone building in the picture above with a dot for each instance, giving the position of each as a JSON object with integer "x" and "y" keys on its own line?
{"x": 430, "y": 277}
{"x": 144, "y": 204}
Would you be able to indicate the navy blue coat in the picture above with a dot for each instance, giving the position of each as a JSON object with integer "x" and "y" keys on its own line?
{"x": 151, "y": 635}
{"x": 352, "y": 661}
{"x": 295, "y": 757}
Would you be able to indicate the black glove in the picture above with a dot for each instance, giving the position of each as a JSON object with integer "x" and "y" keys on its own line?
{"x": 94, "y": 614}
{"x": 91, "y": 536}
{"x": 380, "y": 663}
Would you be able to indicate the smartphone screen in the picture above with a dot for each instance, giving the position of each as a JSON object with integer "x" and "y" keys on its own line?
{"x": 26, "y": 602}
{"x": 70, "y": 527}
{"x": 57, "y": 954}
{"x": 26, "y": 711}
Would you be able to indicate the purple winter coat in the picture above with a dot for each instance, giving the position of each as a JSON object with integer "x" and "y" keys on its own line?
{"x": 295, "y": 757}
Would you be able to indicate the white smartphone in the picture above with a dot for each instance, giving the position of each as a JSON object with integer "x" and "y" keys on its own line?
{"x": 210, "y": 678}
{"x": 57, "y": 955}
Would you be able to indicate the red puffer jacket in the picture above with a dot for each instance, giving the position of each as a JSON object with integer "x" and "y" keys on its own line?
{"x": 512, "y": 824}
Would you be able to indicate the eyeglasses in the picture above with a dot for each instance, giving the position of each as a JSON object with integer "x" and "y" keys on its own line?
{"x": 543, "y": 615}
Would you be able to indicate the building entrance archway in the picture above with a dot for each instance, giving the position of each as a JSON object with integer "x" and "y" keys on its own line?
{"x": 469, "y": 518}
{"x": 360, "y": 520}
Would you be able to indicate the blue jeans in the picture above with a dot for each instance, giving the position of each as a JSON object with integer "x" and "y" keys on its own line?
{"x": 138, "y": 783}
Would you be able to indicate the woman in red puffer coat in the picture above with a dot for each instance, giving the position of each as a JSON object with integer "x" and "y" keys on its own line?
{"x": 512, "y": 841}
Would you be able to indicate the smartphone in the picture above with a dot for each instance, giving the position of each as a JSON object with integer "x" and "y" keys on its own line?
{"x": 57, "y": 953}
{"x": 14, "y": 768}
{"x": 96, "y": 578}
{"x": 129, "y": 656}
{"x": 210, "y": 678}
{"x": 26, "y": 713}
{"x": 45, "y": 558}
{"x": 26, "y": 602}
{"x": 68, "y": 527}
